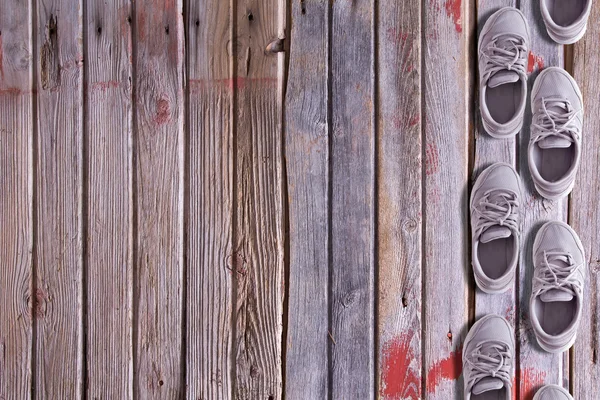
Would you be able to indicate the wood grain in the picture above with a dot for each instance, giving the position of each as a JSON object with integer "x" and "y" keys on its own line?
{"x": 536, "y": 367}
{"x": 211, "y": 262}
{"x": 58, "y": 177}
{"x": 16, "y": 202}
{"x": 399, "y": 193}
{"x": 352, "y": 201}
{"x": 109, "y": 200}
{"x": 158, "y": 199}
{"x": 487, "y": 152}
{"x": 584, "y": 209}
{"x": 446, "y": 53}
{"x": 258, "y": 195}
{"x": 307, "y": 154}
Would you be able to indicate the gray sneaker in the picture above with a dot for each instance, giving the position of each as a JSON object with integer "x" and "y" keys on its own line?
{"x": 552, "y": 392}
{"x": 495, "y": 227}
{"x": 566, "y": 21}
{"x": 503, "y": 53}
{"x": 488, "y": 359}
{"x": 557, "y": 292}
{"x": 555, "y": 146}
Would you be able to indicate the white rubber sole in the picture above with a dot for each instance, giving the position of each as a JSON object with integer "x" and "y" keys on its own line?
{"x": 561, "y": 389}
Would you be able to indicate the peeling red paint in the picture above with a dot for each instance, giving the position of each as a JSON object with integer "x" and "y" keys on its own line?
{"x": 103, "y": 86}
{"x": 398, "y": 379}
{"x": 163, "y": 111}
{"x": 454, "y": 10}
{"x": 531, "y": 380}
{"x": 414, "y": 120}
{"x": 448, "y": 368}
{"x": 432, "y": 159}
{"x": 534, "y": 62}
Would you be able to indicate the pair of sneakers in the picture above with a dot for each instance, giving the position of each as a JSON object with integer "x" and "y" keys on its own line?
{"x": 556, "y": 301}
{"x": 488, "y": 363}
{"x": 554, "y": 150}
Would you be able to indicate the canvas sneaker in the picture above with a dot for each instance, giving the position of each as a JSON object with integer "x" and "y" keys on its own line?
{"x": 554, "y": 150}
{"x": 566, "y": 21}
{"x": 488, "y": 359}
{"x": 552, "y": 392}
{"x": 555, "y": 305}
{"x": 503, "y": 54}
{"x": 495, "y": 227}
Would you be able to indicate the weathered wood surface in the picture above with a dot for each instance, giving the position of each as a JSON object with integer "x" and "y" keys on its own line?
{"x": 58, "y": 185}
{"x": 158, "y": 199}
{"x": 258, "y": 238}
{"x": 584, "y": 214}
{"x": 211, "y": 263}
{"x": 307, "y": 140}
{"x": 17, "y": 300}
{"x": 109, "y": 200}
{"x": 536, "y": 367}
{"x": 352, "y": 210}
{"x": 399, "y": 195}
{"x": 446, "y": 130}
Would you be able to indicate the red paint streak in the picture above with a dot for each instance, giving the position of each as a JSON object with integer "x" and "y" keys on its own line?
{"x": 103, "y": 86}
{"x": 531, "y": 380}
{"x": 163, "y": 111}
{"x": 432, "y": 159}
{"x": 398, "y": 379}
{"x": 453, "y": 10}
{"x": 414, "y": 120}
{"x": 448, "y": 368}
{"x": 395, "y": 36}
{"x": 534, "y": 62}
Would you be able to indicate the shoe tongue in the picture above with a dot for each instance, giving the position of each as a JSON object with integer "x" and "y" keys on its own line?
{"x": 554, "y": 295}
{"x": 502, "y": 77}
{"x": 486, "y": 384}
{"x": 495, "y": 232}
{"x": 554, "y": 142}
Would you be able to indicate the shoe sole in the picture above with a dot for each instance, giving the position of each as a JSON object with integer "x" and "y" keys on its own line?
{"x": 559, "y": 388}
{"x": 569, "y": 41}
{"x": 535, "y": 89}
{"x": 486, "y": 27}
{"x": 478, "y": 182}
{"x": 538, "y": 235}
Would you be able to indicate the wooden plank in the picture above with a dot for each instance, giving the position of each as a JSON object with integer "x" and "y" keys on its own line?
{"x": 211, "y": 263}
{"x": 446, "y": 130}
{"x": 258, "y": 216}
{"x": 584, "y": 212}
{"x": 487, "y": 152}
{"x": 158, "y": 194}
{"x": 58, "y": 177}
{"x": 536, "y": 367}
{"x": 399, "y": 192}
{"x": 307, "y": 153}
{"x": 16, "y": 202}
{"x": 109, "y": 219}
{"x": 352, "y": 201}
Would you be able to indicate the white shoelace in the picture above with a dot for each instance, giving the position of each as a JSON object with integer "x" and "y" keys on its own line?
{"x": 495, "y": 361}
{"x": 497, "y": 207}
{"x": 505, "y": 52}
{"x": 558, "y": 276}
{"x": 548, "y": 122}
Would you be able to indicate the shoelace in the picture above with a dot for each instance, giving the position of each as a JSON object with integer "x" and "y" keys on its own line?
{"x": 558, "y": 276}
{"x": 556, "y": 123}
{"x": 490, "y": 358}
{"x": 505, "y": 52}
{"x": 497, "y": 207}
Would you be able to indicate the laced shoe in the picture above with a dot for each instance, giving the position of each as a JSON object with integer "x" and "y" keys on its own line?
{"x": 488, "y": 359}
{"x": 566, "y": 21}
{"x": 495, "y": 227}
{"x": 552, "y": 392}
{"x": 555, "y": 305}
{"x": 503, "y": 54}
{"x": 554, "y": 151}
